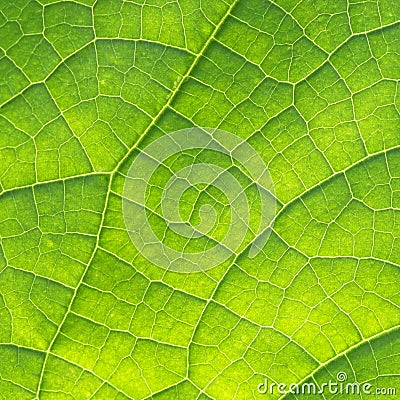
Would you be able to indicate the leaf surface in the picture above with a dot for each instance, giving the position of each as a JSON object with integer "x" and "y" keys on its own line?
{"x": 313, "y": 86}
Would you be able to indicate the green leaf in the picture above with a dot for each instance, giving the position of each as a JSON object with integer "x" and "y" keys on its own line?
{"x": 86, "y": 86}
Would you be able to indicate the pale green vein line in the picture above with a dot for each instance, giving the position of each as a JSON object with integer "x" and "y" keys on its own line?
{"x": 345, "y": 353}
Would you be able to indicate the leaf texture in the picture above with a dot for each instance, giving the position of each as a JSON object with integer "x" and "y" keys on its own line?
{"x": 313, "y": 86}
